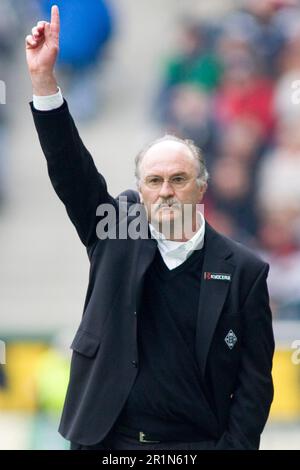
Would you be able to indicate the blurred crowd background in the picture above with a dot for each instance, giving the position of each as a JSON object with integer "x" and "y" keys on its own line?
{"x": 226, "y": 75}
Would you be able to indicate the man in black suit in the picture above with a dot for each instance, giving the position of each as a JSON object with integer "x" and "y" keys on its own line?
{"x": 175, "y": 346}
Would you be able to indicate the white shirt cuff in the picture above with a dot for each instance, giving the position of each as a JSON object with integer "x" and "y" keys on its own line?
{"x": 47, "y": 103}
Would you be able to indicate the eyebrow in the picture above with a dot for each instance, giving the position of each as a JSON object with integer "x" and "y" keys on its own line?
{"x": 180, "y": 173}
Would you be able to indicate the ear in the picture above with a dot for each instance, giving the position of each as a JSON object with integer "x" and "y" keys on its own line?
{"x": 202, "y": 192}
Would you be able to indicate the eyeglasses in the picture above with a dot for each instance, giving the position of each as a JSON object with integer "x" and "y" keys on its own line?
{"x": 177, "y": 182}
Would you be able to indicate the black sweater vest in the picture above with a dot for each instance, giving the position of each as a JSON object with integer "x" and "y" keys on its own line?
{"x": 167, "y": 397}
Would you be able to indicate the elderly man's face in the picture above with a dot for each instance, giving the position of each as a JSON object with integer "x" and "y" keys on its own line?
{"x": 168, "y": 173}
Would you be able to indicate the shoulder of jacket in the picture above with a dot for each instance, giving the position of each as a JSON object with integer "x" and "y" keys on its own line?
{"x": 131, "y": 195}
{"x": 243, "y": 255}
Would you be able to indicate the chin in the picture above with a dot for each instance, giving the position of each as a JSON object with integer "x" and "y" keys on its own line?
{"x": 168, "y": 215}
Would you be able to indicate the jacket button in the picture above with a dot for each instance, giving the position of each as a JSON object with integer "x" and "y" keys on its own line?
{"x": 134, "y": 313}
{"x": 134, "y": 363}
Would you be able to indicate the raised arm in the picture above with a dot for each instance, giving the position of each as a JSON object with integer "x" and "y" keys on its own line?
{"x": 42, "y": 48}
{"x": 70, "y": 166}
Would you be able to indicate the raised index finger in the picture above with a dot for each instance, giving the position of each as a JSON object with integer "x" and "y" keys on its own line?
{"x": 55, "y": 22}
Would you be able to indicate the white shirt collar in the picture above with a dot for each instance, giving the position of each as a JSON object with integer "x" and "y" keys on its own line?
{"x": 175, "y": 253}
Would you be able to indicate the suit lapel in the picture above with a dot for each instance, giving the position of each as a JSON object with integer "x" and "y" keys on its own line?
{"x": 212, "y": 292}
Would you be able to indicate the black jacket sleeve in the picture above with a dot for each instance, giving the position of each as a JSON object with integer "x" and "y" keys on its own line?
{"x": 72, "y": 170}
{"x": 253, "y": 395}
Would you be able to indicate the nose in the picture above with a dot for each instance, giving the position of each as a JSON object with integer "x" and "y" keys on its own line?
{"x": 166, "y": 190}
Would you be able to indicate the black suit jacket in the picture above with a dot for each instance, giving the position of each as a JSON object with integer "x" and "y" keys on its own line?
{"x": 105, "y": 353}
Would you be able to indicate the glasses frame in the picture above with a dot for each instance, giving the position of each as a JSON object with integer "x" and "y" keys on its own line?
{"x": 169, "y": 181}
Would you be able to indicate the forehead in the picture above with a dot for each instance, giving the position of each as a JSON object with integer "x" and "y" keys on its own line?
{"x": 168, "y": 157}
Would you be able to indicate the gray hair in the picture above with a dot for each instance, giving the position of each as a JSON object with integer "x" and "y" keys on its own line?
{"x": 203, "y": 175}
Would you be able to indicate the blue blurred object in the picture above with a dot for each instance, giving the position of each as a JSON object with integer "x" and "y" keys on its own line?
{"x": 86, "y": 26}
{"x": 86, "y": 30}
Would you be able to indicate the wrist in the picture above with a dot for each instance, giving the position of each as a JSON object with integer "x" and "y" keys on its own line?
{"x": 44, "y": 85}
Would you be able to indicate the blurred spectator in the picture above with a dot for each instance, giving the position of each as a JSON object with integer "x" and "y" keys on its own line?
{"x": 231, "y": 192}
{"x": 287, "y": 18}
{"x": 245, "y": 93}
{"x": 255, "y": 22}
{"x": 280, "y": 246}
{"x": 195, "y": 66}
{"x": 86, "y": 30}
{"x": 190, "y": 116}
{"x": 194, "y": 63}
{"x": 284, "y": 105}
{"x": 233, "y": 175}
{"x": 279, "y": 175}
{"x": 279, "y": 208}
{"x": 224, "y": 222}
{"x": 242, "y": 140}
